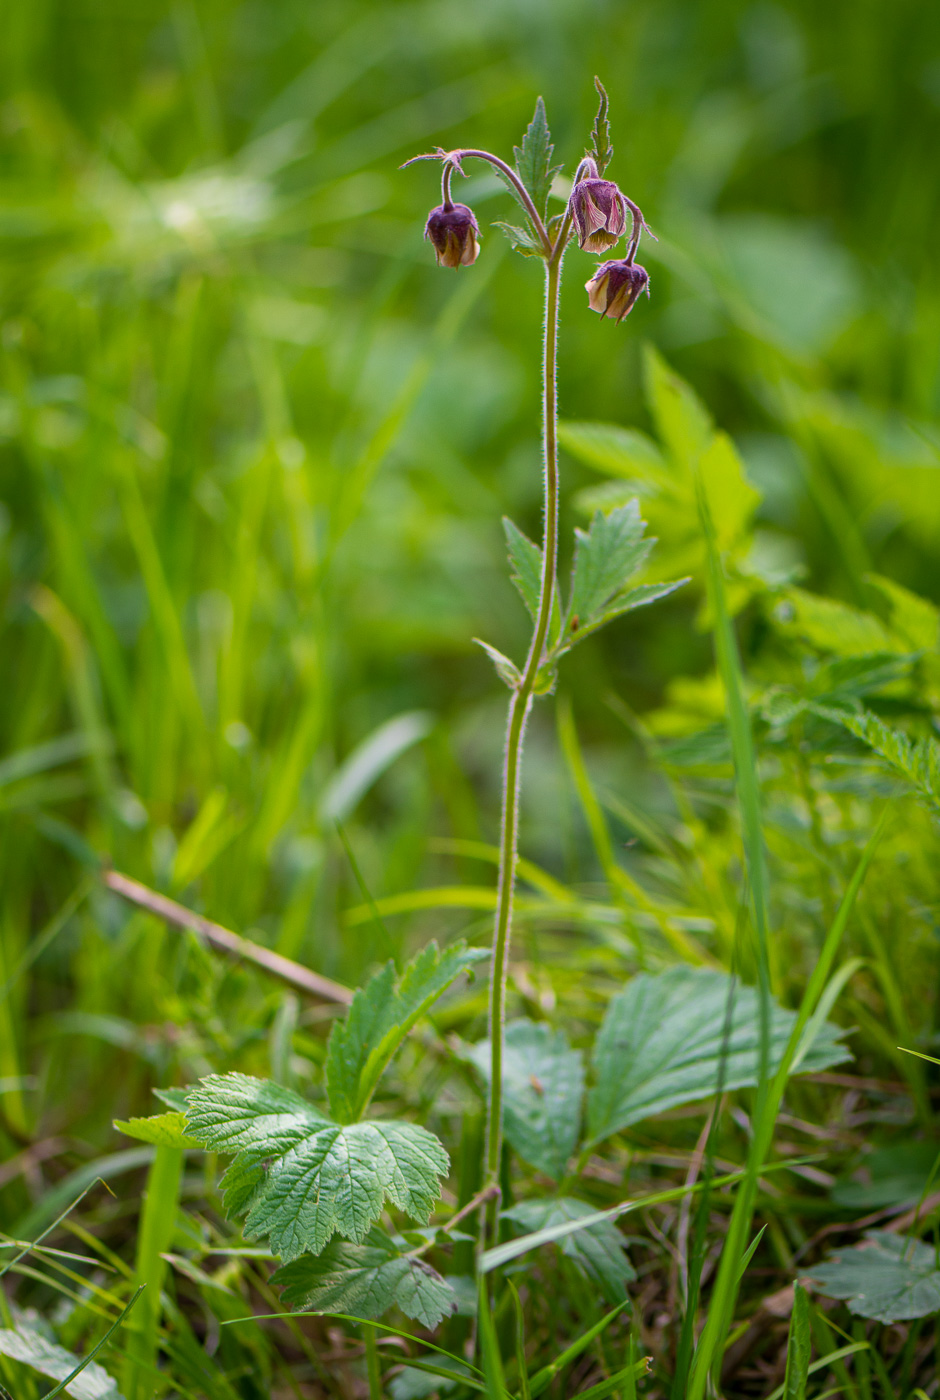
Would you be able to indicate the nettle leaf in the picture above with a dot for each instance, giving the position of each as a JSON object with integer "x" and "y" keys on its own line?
{"x": 299, "y": 1178}
{"x": 667, "y": 1035}
{"x": 525, "y": 559}
{"x": 507, "y": 670}
{"x": 367, "y": 1279}
{"x": 917, "y": 760}
{"x": 534, "y": 159}
{"x": 522, "y": 239}
{"x": 599, "y": 1250}
{"x": 888, "y": 1278}
{"x": 830, "y": 626}
{"x": 33, "y": 1349}
{"x": 543, "y": 1085}
{"x": 381, "y": 1015}
{"x": 162, "y": 1129}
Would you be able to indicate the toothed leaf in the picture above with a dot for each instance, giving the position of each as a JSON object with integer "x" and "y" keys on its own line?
{"x": 525, "y": 559}
{"x": 298, "y": 1178}
{"x": 888, "y": 1277}
{"x": 381, "y": 1015}
{"x": 367, "y": 1279}
{"x": 599, "y": 1250}
{"x": 534, "y": 159}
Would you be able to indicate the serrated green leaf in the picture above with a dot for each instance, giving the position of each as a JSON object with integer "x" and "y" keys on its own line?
{"x": 525, "y": 559}
{"x": 917, "y": 760}
{"x": 601, "y": 149}
{"x": 599, "y": 1250}
{"x": 534, "y": 159}
{"x": 607, "y": 555}
{"x": 367, "y": 1279}
{"x": 505, "y": 669}
{"x": 622, "y": 452}
{"x": 163, "y": 1129}
{"x": 300, "y": 1178}
{"x": 914, "y": 620}
{"x": 638, "y": 597}
{"x": 888, "y": 1278}
{"x": 173, "y": 1098}
{"x": 381, "y": 1015}
{"x": 33, "y": 1349}
{"x": 665, "y": 1036}
{"x": 543, "y": 1085}
{"x": 522, "y": 239}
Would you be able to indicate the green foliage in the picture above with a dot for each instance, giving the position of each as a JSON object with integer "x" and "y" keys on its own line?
{"x": 543, "y": 1084}
{"x": 677, "y": 1036}
{"x": 521, "y": 239}
{"x": 599, "y": 1250}
{"x": 380, "y": 1017}
{"x": 525, "y": 559}
{"x": 297, "y": 1177}
{"x": 35, "y": 1350}
{"x": 366, "y": 1278}
{"x": 887, "y": 1277}
{"x": 534, "y": 159}
{"x": 601, "y": 148}
{"x": 799, "y": 1346}
{"x": 163, "y": 1130}
{"x": 507, "y": 670}
{"x": 918, "y": 761}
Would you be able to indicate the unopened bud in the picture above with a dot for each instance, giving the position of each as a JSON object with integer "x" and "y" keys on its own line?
{"x": 615, "y": 286}
{"x": 599, "y": 214}
{"x": 454, "y": 232}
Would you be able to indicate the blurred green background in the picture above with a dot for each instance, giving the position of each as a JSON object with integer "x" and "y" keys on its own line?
{"x": 255, "y": 446}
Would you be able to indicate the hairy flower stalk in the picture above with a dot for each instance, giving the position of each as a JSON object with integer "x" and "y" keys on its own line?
{"x": 597, "y": 211}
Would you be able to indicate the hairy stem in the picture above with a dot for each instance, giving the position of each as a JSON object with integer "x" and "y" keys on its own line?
{"x": 519, "y": 707}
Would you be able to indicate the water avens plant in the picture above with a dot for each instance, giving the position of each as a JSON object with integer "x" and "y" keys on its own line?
{"x": 607, "y": 557}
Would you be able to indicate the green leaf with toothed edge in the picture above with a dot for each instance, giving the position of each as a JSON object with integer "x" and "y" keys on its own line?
{"x": 887, "y": 1277}
{"x": 601, "y": 149}
{"x": 534, "y": 159}
{"x": 162, "y": 1129}
{"x": 32, "y": 1349}
{"x": 367, "y": 1279}
{"x": 543, "y": 1085}
{"x": 299, "y": 1178}
{"x": 525, "y": 559}
{"x": 380, "y": 1016}
{"x": 599, "y": 1251}
{"x": 522, "y": 239}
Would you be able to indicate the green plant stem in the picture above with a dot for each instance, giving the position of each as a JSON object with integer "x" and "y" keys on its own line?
{"x": 519, "y": 707}
{"x": 373, "y": 1368}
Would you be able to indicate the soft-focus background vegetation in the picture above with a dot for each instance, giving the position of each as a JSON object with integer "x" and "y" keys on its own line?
{"x": 255, "y": 447}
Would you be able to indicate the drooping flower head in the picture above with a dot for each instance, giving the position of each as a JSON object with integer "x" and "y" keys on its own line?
{"x": 455, "y": 235}
{"x": 599, "y": 214}
{"x": 615, "y": 286}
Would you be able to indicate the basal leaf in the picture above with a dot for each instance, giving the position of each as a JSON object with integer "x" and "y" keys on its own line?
{"x": 381, "y": 1015}
{"x": 33, "y": 1349}
{"x": 543, "y": 1085}
{"x": 534, "y": 159}
{"x": 888, "y": 1278}
{"x": 163, "y": 1129}
{"x": 366, "y": 1279}
{"x": 525, "y": 559}
{"x": 607, "y": 556}
{"x": 300, "y": 1178}
{"x": 599, "y": 1250}
{"x": 665, "y": 1035}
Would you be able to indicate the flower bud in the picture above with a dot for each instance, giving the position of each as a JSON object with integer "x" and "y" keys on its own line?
{"x": 454, "y": 233}
{"x": 599, "y": 214}
{"x": 615, "y": 286}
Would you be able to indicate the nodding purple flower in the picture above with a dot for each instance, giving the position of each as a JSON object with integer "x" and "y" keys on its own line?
{"x": 615, "y": 287}
{"x": 599, "y": 213}
{"x": 454, "y": 233}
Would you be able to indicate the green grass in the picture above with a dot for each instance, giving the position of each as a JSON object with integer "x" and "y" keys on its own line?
{"x": 254, "y": 451}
